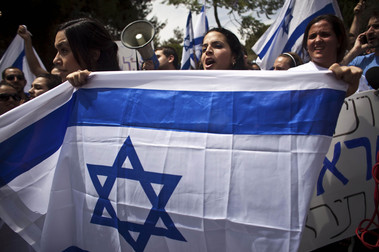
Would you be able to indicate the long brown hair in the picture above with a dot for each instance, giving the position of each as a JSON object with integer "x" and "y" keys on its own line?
{"x": 338, "y": 28}
{"x": 86, "y": 35}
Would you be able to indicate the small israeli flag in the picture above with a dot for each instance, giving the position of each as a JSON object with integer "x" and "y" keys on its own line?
{"x": 14, "y": 56}
{"x": 193, "y": 40}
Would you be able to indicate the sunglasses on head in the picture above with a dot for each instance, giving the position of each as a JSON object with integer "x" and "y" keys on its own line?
{"x": 12, "y": 76}
{"x": 6, "y": 97}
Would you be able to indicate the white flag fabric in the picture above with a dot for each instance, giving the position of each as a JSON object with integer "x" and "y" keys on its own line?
{"x": 192, "y": 47}
{"x": 200, "y": 29}
{"x": 286, "y": 33}
{"x": 15, "y": 56}
{"x": 168, "y": 161}
{"x": 187, "y": 45}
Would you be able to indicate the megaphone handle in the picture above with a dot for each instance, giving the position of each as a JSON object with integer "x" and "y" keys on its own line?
{"x": 137, "y": 63}
{"x": 155, "y": 61}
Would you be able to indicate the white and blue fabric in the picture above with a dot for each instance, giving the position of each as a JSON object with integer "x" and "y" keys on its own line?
{"x": 286, "y": 33}
{"x": 187, "y": 45}
{"x": 14, "y": 56}
{"x": 192, "y": 45}
{"x": 168, "y": 161}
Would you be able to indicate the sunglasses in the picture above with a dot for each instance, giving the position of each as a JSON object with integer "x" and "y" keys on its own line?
{"x": 12, "y": 76}
{"x": 6, "y": 97}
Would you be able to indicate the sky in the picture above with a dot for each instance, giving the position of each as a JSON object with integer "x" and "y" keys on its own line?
{"x": 177, "y": 17}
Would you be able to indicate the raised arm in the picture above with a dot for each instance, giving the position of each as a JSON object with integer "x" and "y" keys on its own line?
{"x": 33, "y": 62}
{"x": 360, "y": 46}
{"x": 357, "y": 20}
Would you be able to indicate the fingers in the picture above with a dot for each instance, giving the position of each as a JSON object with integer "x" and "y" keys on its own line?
{"x": 349, "y": 74}
{"x": 23, "y": 32}
{"x": 78, "y": 78}
{"x": 359, "y": 7}
{"x": 148, "y": 65}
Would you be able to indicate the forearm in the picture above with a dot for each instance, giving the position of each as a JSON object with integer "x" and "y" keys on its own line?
{"x": 354, "y": 52}
{"x": 32, "y": 59}
{"x": 355, "y": 25}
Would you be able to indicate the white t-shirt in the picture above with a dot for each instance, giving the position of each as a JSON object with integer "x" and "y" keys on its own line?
{"x": 308, "y": 67}
{"x": 311, "y": 67}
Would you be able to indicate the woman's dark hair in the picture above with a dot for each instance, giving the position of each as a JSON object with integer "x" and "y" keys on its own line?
{"x": 85, "y": 36}
{"x": 338, "y": 28}
{"x": 235, "y": 46}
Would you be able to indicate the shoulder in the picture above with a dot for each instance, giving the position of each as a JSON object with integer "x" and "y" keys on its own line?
{"x": 310, "y": 66}
{"x": 362, "y": 59}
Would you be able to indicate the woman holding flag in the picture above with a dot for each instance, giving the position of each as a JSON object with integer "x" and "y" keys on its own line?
{"x": 325, "y": 41}
{"x": 84, "y": 44}
{"x": 81, "y": 43}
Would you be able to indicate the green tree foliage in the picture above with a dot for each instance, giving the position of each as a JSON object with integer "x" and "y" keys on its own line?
{"x": 242, "y": 8}
{"x": 347, "y": 11}
{"x": 176, "y": 42}
{"x": 251, "y": 28}
{"x": 43, "y": 16}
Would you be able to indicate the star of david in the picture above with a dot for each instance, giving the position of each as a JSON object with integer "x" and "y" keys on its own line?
{"x": 187, "y": 43}
{"x": 145, "y": 179}
{"x": 287, "y": 19}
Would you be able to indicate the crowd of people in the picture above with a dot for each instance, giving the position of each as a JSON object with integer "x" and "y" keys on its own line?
{"x": 84, "y": 45}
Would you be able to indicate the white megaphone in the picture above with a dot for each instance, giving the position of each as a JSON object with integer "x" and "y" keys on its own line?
{"x": 139, "y": 35}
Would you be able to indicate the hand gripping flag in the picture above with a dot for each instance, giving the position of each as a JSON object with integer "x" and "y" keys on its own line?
{"x": 157, "y": 161}
{"x": 15, "y": 56}
{"x": 192, "y": 45}
{"x": 286, "y": 33}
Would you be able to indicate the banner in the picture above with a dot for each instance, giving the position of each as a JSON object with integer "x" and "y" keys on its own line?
{"x": 141, "y": 161}
{"x": 15, "y": 56}
{"x": 344, "y": 193}
{"x": 286, "y": 33}
{"x": 128, "y": 59}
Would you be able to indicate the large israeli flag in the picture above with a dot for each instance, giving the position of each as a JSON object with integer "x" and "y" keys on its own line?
{"x": 15, "y": 56}
{"x": 192, "y": 45}
{"x": 168, "y": 161}
{"x": 286, "y": 33}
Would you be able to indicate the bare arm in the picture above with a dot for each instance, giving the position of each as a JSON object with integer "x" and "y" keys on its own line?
{"x": 358, "y": 16}
{"x": 357, "y": 50}
{"x": 33, "y": 62}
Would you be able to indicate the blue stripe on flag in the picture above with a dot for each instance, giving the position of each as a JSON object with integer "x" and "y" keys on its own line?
{"x": 300, "y": 29}
{"x": 18, "y": 62}
{"x": 41, "y": 139}
{"x": 263, "y": 52}
{"x": 187, "y": 64}
{"x": 199, "y": 40}
{"x": 260, "y": 113}
{"x": 267, "y": 113}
